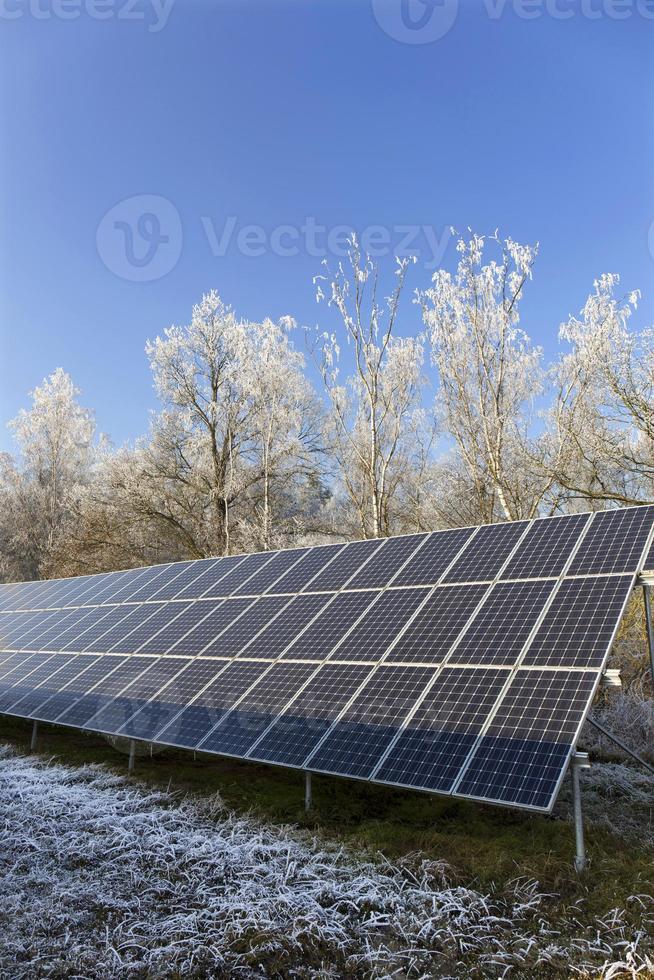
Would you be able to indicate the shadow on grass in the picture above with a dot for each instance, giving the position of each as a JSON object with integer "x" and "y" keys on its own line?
{"x": 485, "y": 846}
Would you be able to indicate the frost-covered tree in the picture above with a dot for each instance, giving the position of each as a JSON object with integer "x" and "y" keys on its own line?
{"x": 602, "y": 422}
{"x": 55, "y": 453}
{"x": 488, "y": 374}
{"x": 374, "y": 408}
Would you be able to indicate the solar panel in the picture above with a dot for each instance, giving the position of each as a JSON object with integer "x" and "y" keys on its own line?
{"x": 113, "y": 716}
{"x": 359, "y": 738}
{"x": 499, "y": 630}
{"x": 459, "y": 661}
{"x": 521, "y": 757}
{"x": 66, "y": 692}
{"x": 296, "y": 732}
{"x": 614, "y": 542}
{"x": 428, "y": 753}
{"x": 194, "y": 722}
{"x": 429, "y": 637}
{"x": 240, "y": 728}
{"x": 546, "y": 548}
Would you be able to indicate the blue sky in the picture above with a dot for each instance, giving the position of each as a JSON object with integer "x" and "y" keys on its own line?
{"x": 267, "y": 113}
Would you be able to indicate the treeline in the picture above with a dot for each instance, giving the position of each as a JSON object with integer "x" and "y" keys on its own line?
{"x": 461, "y": 423}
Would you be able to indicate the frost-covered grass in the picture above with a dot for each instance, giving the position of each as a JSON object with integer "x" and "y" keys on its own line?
{"x": 106, "y": 877}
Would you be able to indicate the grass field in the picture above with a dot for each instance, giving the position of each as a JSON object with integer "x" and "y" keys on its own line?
{"x": 485, "y": 848}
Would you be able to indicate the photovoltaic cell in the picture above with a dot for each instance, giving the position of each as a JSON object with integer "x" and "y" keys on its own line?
{"x": 209, "y": 631}
{"x": 439, "y": 550}
{"x": 521, "y": 758}
{"x": 546, "y": 547}
{"x": 499, "y": 631}
{"x": 49, "y": 624}
{"x": 184, "y": 581}
{"x": 189, "y": 614}
{"x": 254, "y": 712}
{"x": 615, "y": 542}
{"x": 118, "y": 586}
{"x": 430, "y": 636}
{"x": 297, "y": 732}
{"x": 430, "y": 751}
{"x": 357, "y": 741}
{"x": 16, "y": 670}
{"x": 281, "y": 563}
{"x": 343, "y": 567}
{"x": 578, "y": 628}
{"x": 386, "y": 562}
{"x": 482, "y": 560}
{"x": 114, "y": 616}
{"x": 134, "y": 616}
{"x": 331, "y": 626}
{"x": 241, "y": 572}
{"x": 74, "y": 667}
{"x": 12, "y": 663}
{"x": 197, "y": 719}
{"x": 104, "y": 690}
{"x": 233, "y": 641}
{"x": 24, "y": 690}
{"x": 27, "y": 682}
{"x": 177, "y": 693}
{"x": 113, "y": 716}
{"x": 285, "y": 627}
{"x": 309, "y": 567}
{"x": 169, "y": 579}
{"x": 71, "y": 692}
{"x": 147, "y": 628}
{"x": 74, "y": 636}
{"x": 210, "y": 575}
{"x": 372, "y": 636}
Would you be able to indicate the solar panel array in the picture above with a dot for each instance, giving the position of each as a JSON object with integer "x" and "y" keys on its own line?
{"x": 460, "y": 662}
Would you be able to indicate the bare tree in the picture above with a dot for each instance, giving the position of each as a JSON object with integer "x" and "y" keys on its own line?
{"x": 602, "y": 422}
{"x": 488, "y": 375}
{"x": 372, "y": 409}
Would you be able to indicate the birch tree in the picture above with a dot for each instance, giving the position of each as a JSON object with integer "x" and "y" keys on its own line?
{"x": 488, "y": 375}
{"x": 373, "y": 407}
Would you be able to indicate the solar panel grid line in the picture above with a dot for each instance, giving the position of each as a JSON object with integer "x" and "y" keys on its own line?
{"x": 234, "y": 623}
{"x": 373, "y": 559}
{"x": 187, "y": 607}
{"x": 288, "y": 705}
{"x": 448, "y": 656}
{"x": 343, "y": 553}
{"x": 54, "y": 626}
{"x": 148, "y": 663}
{"x": 123, "y": 659}
{"x": 295, "y": 559}
{"x": 39, "y": 713}
{"x": 176, "y": 572}
{"x": 388, "y": 652}
{"x": 18, "y": 630}
{"x": 529, "y": 713}
{"x": 224, "y": 565}
{"x": 94, "y": 588}
{"x": 15, "y": 675}
{"x": 136, "y": 687}
{"x": 171, "y": 721}
{"x": 140, "y": 624}
{"x": 112, "y": 586}
{"x": 11, "y": 663}
{"x": 237, "y": 568}
{"x": 10, "y": 707}
{"x": 528, "y": 641}
{"x": 79, "y": 666}
{"x": 35, "y": 629}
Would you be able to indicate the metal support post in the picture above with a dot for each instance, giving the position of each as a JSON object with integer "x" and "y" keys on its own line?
{"x": 647, "y": 592}
{"x": 132, "y": 754}
{"x": 623, "y": 745}
{"x": 307, "y": 792}
{"x": 35, "y": 735}
{"x": 578, "y": 761}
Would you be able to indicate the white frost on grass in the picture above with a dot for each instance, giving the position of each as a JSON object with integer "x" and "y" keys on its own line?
{"x": 103, "y": 878}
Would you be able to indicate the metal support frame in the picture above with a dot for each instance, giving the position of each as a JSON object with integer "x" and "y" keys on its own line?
{"x": 132, "y": 755}
{"x": 35, "y": 735}
{"x": 647, "y": 593}
{"x": 308, "y": 799}
{"x": 578, "y": 761}
{"x": 623, "y": 745}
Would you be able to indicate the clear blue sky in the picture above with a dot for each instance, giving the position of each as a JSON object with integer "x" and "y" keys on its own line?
{"x": 272, "y": 112}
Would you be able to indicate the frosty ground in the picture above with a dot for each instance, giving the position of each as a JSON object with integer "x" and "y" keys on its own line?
{"x": 105, "y": 876}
